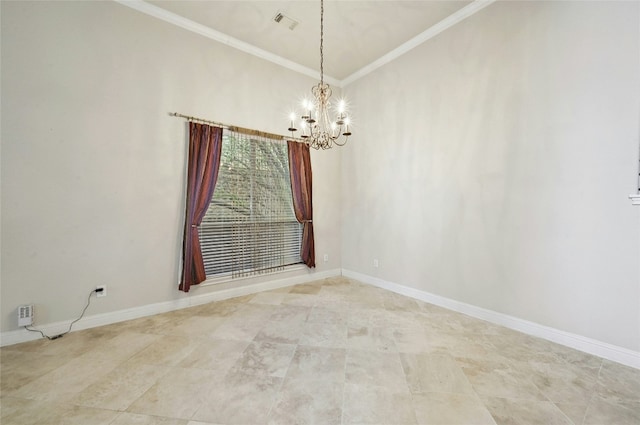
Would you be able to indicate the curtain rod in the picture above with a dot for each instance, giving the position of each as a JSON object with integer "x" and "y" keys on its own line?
{"x": 237, "y": 129}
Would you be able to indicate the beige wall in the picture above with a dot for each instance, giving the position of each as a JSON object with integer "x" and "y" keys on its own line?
{"x": 93, "y": 165}
{"x": 490, "y": 165}
{"x": 495, "y": 163}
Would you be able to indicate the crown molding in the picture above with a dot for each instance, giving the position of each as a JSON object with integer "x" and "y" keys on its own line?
{"x": 220, "y": 37}
{"x": 431, "y": 32}
{"x": 189, "y": 25}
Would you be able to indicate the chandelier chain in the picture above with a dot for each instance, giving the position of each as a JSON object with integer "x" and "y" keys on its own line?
{"x": 321, "y": 41}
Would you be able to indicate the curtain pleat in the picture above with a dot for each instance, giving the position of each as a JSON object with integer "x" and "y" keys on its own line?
{"x": 301, "y": 188}
{"x": 205, "y": 146}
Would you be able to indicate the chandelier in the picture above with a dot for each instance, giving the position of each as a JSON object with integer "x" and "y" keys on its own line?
{"x": 317, "y": 127}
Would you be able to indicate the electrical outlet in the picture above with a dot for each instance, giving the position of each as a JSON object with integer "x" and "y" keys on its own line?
{"x": 326, "y": 257}
{"x": 375, "y": 263}
{"x": 103, "y": 292}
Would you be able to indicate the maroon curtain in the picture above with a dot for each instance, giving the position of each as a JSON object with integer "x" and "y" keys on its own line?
{"x": 300, "y": 172}
{"x": 205, "y": 146}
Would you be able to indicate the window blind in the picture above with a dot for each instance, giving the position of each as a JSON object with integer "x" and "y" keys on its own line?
{"x": 250, "y": 226}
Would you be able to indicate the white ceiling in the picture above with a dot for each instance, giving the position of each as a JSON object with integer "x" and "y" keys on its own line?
{"x": 358, "y": 35}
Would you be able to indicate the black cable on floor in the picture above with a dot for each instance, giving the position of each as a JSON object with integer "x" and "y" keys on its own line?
{"x": 51, "y": 338}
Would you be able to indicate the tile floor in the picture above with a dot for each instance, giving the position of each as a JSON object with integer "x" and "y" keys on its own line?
{"x": 331, "y": 352}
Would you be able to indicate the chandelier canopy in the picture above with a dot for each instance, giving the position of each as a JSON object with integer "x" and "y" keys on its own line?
{"x": 317, "y": 127}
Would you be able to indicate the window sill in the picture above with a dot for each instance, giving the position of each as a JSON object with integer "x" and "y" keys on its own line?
{"x": 227, "y": 278}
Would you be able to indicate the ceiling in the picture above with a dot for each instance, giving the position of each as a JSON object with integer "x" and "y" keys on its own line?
{"x": 357, "y": 33}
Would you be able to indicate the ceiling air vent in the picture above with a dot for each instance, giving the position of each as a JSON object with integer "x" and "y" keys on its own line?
{"x": 281, "y": 18}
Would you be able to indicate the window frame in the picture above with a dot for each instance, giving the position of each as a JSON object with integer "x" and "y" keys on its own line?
{"x": 256, "y": 174}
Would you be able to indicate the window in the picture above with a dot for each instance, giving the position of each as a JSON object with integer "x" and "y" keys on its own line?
{"x": 250, "y": 226}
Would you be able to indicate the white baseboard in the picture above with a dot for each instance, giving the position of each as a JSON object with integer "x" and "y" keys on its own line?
{"x": 22, "y": 335}
{"x": 578, "y": 342}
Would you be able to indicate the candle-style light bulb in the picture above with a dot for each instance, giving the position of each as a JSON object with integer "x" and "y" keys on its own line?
{"x": 347, "y": 121}
{"x": 292, "y": 117}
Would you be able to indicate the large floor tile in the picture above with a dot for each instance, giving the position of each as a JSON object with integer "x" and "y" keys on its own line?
{"x": 450, "y": 409}
{"x": 575, "y": 412}
{"x": 499, "y": 379}
{"x": 121, "y": 387}
{"x": 42, "y": 412}
{"x": 178, "y": 394}
{"x": 10, "y": 406}
{"x": 434, "y": 373}
{"x": 415, "y": 340}
{"x": 396, "y": 302}
{"x": 120, "y": 348}
{"x": 65, "y": 382}
{"x": 291, "y": 313}
{"x": 308, "y": 401}
{"x": 314, "y": 363}
{"x": 324, "y": 334}
{"x": 517, "y": 412}
{"x": 218, "y": 355}
{"x": 328, "y": 315}
{"x": 238, "y": 329}
{"x": 167, "y": 351}
{"x": 606, "y": 411}
{"x": 265, "y": 358}
{"x": 281, "y": 331}
{"x": 618, "y": 383}
{"x": 239, "y": 399}
{"x": 373, "y": 338}
{"x": 199, "y": 326}
{"x": 371, "y": 369}
{"x": 367, "y": 405}
{"x": 18, "y": 368}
